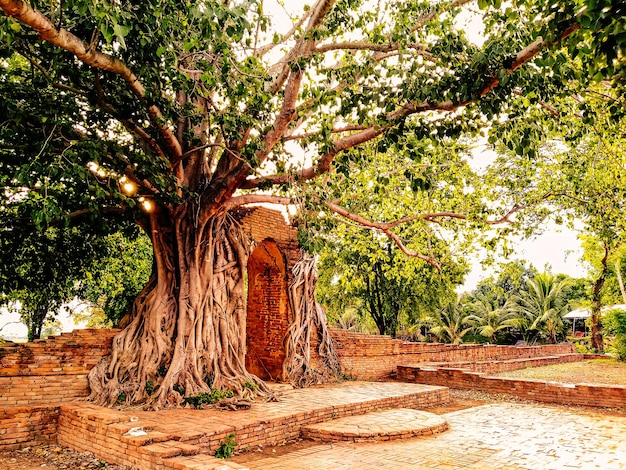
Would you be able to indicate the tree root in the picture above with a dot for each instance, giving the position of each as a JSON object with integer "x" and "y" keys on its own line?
{"x": 309, "y": 320}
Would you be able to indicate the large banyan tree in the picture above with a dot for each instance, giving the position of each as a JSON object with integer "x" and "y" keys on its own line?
{"x": 172, "y": 114}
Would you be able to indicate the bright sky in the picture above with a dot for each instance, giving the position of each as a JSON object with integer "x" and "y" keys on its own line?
{"x": 557, "y": 247}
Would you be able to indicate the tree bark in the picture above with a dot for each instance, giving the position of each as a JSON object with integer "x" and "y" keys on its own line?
{"x": 618, "y": 271}
{"x": 187, "y": 328}
{"x": 597, "y": 341}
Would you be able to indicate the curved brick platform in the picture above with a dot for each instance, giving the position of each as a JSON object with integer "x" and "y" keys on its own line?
{"x": 378, "y": 426}
{"x": 186, "y": 439}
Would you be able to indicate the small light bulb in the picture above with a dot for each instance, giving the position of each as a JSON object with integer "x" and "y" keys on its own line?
{"x": 147, "y": 205}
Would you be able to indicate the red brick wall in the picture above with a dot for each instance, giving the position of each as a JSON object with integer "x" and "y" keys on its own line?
{"x": 537, "y": 390}
{"x": 261, "y": 223}
{"x": 36, "y": 377}
{"x": 268, "y": 317}
{"x": 25, "y": 426}
{"x": 269, "y": 275}
{"x": 51, "y": 371}
{"x": 376, "y": 357}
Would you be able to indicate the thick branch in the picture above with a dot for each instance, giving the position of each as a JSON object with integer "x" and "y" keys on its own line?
{"x": 522, "y": 57}
{"x": 246, "y": 199}
{"x": 285, "y": 37}
{"x": 65, "y": 40}
{"x": 365, "y": 46}
{"x": 426, "y": 18}
{"x": 324, "y": 163}
{"x": 383, "y": 228}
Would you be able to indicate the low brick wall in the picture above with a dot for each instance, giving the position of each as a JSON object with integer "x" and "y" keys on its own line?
{"x": 376, "y": 357}
{"x": 603, "y": 396}
{"x": 51, "y": 371}
{"x": 36, "y": 377}
{"x": 511, "y": 364}
{"x": 25, "y": 426}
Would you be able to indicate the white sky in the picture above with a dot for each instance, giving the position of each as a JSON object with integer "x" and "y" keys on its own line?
{"x": 557, "y": 247}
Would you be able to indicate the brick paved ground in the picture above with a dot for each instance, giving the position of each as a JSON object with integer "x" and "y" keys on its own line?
{"x": 498, "y": 436}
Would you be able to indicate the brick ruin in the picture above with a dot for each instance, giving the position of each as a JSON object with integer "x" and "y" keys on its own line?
{"x": 36, "y": 378}
{"x": 269, "y": 275}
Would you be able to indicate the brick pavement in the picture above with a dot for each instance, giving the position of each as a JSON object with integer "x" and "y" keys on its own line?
{"x": 170, "y": 437}
{"x": 489, "y": 437}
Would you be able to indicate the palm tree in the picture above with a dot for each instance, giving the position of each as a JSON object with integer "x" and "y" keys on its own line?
{"x": 540, "y": 306}
{"x": 450, "y": 323}
{"x": 490, "y": 314}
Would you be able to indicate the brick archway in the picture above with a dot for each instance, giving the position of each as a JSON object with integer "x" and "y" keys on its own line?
{"x": 267, "y": 319}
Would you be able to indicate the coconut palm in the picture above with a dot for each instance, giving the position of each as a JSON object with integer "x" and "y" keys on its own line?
{"x": 490, "y": 314}
{"x": 540, "y": 306}
{"x": 451, "y": 323}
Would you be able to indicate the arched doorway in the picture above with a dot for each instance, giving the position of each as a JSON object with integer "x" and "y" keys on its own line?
{"x": 267, "y": 319}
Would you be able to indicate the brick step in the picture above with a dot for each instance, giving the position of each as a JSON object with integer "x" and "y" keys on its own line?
{"x": 171, "y": 434}
{"x": 384, "y": 425}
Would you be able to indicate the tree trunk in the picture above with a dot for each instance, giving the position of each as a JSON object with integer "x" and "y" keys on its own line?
{"x": 309, "y": 322}
{"x": 618, "y": 271}
{"x": 597, "y": 341}
{"x": 187, "y": 328}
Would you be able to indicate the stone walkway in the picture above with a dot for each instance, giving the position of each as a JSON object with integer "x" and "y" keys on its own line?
{"x": 490, "y": 437}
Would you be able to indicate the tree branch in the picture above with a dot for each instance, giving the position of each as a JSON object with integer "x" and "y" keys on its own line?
{"x": 289, "y": 34}
{"x": 365, "y": 46}
{"x": 383, "y": 227}
{"x": 323, "y": 165}
{"x": 426, "y": 18}
{"x": 246, "y": 199}
{"x": 525, "y": 55}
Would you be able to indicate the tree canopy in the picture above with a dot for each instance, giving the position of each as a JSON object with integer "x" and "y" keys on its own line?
{"x": 169, "y": 114}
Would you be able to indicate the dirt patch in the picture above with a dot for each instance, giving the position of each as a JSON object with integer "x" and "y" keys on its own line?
{"x": 52, "y": 457}
{"x": 593, "y": 371}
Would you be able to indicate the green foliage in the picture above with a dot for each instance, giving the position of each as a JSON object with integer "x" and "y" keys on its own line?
{"x": 490, "y": 316}
{"x": 40, "y": 270}
{"x": 614, "y": 322}
{"x": 208, "y": 398}
{"x": 113, "y": 280}
{"x": 251, "y": 386}
{"x": 150, "y": 387}
{"x": 226, "y": 447}
{"x": 452, "y": 323}
{"x": 540, "y": 306}
{"x": 363, "y": 274}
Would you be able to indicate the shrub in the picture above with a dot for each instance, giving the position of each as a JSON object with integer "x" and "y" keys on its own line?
{"x": 208, "y": 398}
{"x": 226, "y": 448}
{"x": 614, "y": 323}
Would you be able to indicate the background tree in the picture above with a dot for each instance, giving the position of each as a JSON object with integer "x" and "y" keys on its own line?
{"x": 39, "y": 273}
{"x": 363, "y": 268}
{"x": 576, "y": 174}
{"x": 615, "y": 324}
{"x": 451, "y": 323}
{"x": 113, "y": 280}
{"x": 159, "y": 112}
{"x": 540, "y": 306}
{"x": 489, "y": 315}
{"x": 381, "y": 282}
